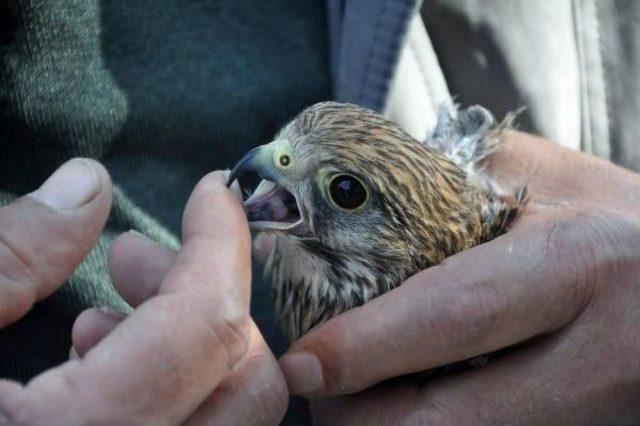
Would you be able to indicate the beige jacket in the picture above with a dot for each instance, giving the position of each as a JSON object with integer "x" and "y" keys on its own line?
{"x": 574, "y": 65}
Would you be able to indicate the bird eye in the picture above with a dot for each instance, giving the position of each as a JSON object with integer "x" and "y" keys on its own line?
{"x": 284, "y": 160}
{"x": 347, "y": 192}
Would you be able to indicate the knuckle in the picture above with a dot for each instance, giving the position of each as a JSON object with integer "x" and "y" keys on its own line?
{"x": 593, "y": 243}
{"x": 16, "y": 266}
{"x": 468, "y": 316}
{"x": 564, "y": 233}
{"x": 15, "y": 409}
{"x": 230, "y": 332}
{"x": 17, "y": 277}
{"x": 338, "y": 356}
{"x": 261, "y": 388}
{"x": 559, "y": 229}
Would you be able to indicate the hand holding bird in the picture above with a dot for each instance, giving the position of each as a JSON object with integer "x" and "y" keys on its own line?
{"x": 563, "y": 280}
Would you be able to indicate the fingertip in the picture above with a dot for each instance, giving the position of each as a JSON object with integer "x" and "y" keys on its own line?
{"x": 118, "y": 258}
{"x": 214, "y": 209}
{"x": 92, "y": 325}
{"x": 343, "y": 355}
{"x": 302, "y": 372}
{"x": 137, "y": 266}
{"x": 76, "y": 183}
{"x": 101, "y": 171}
{"x": 121, "y": 252}
{"x": 234, "y": 187}
{"x": 215, "y": 183}
{"x": 46, "y": 234}
{"x": 216, "y": 180}
{"x": 212, "y": 187}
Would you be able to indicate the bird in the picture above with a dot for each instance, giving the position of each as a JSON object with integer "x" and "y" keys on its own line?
{"x": 356, "y": 205}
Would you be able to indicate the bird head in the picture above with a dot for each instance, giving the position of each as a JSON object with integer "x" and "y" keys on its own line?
{"x": 351, "y": 180}
{"x": 356, "y": 205}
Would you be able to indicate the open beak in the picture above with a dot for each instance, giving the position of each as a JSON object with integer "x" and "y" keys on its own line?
{"x": 272, "y": 206}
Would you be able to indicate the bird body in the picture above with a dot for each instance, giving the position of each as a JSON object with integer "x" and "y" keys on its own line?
{"x": 357, "y": 205}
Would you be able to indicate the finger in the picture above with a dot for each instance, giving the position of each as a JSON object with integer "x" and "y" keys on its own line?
{"x": 138, "y": 266}
{"x": 255, "y": 393}
{"x": 161, "y": 362}
{"x": 520, "y": 285}
{"x": 46, "y": 234}
{"x": 91, "y": 326}
{"x": 525, "y": 159}
{"x": 554, "y": 382}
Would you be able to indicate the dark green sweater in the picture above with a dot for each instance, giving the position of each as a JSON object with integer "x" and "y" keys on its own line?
{"x": 161, "y": 92}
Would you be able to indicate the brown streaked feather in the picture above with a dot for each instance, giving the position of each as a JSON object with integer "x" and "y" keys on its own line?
{"x": 429, "y": 201}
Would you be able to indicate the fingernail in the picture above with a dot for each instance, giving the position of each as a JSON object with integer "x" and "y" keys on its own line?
{"x": 235, "y": 186}
{"x": 74, "y": 184}
{"x": 303, "y": 373}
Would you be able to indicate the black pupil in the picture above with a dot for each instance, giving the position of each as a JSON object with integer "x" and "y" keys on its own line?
{"x": 347, "y": 192}
{"x": 285, "y": 160}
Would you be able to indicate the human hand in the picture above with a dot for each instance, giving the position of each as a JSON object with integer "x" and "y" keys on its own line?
{"x": 185, "y": 354}
{"x": 565, "y": 280}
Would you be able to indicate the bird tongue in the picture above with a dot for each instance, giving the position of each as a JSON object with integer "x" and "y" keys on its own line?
{"x": 271, "y": 202}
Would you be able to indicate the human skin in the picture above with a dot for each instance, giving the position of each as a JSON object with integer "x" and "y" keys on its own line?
{"x": 188, "y": 353}
{"x": 565, "y": 279}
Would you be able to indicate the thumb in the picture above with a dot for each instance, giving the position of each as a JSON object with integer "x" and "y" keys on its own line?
{"x": 46, "y": 234}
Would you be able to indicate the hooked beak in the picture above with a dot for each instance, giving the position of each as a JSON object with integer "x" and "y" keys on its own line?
{"x": 272, "y": 206}
{"x": 260, "y": 161}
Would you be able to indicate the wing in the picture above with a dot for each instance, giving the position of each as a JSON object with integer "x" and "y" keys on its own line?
{"x": 467, "y": 137}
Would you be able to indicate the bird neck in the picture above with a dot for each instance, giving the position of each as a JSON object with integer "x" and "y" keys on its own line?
{"x": 312, "y": 285}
